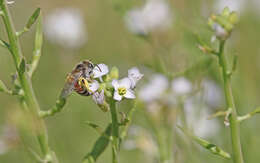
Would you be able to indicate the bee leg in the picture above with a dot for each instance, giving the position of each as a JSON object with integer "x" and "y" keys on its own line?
{"x": 84, "y": 83}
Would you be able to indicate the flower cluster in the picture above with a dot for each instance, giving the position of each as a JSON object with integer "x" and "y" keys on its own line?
{"x": 107, "y": 85}
{"x": 162, "y": 97}
{"x": 223, "y": 23}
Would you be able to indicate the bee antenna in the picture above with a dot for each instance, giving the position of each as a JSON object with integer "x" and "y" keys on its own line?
{"x": 98, "y": 67}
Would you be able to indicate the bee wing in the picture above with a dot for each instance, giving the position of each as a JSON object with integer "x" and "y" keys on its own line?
{"x": 69, "y": 85}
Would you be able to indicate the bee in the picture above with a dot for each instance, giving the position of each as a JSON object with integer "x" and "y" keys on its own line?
{"x": 78, "y": 80}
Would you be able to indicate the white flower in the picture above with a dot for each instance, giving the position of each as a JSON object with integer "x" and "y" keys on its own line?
{"x": 123, "y": 89}
{"x": 99, "y": 97}
{"x": 94, "y": 86}
{"x": 134, "y": 75}
{"x": 135, "y": 22}
{"x": 153, "y": 90}
{"x": 66, "y": 27}
{"x": 100, "y": 70}
{"x": 211, "y": 93}
{"x": 155, "y": 14}
{"x": 196, "y": 115}
{"x": 181, "y": 86}
{"x": 233, "y": 5}
{"x": 220, "y": 32}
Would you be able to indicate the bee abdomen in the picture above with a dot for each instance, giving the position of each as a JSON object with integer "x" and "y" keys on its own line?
{"x": 84, "y": 93}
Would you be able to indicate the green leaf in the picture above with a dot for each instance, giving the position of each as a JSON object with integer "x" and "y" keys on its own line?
{"x": 4, "y": 44}
{"x": 3, "y": 88}
{"x": 37, "y": 47}
{"x": 22, "y": 67}
{"x": 33, "y": 18}
{"x": 207, "y": 145}
{"x": 99, "y": 146}
{"x": 94, "y": 126}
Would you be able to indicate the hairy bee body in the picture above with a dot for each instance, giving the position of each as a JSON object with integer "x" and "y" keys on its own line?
{"x": 83, "y": 70}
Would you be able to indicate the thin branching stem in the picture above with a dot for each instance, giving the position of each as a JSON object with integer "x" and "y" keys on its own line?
{"x": 234, "y": 124}
{"x": 29, "y": 97}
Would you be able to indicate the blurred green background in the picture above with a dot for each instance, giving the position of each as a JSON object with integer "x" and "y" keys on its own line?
{"x": 110, "y": 42}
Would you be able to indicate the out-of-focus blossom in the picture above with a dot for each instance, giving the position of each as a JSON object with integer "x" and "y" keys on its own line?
{"x": 139, "y": 138}
{"x": 155, "y": 14}
{"x": 212, "y": 94}
{"x": 154, "y": 89}
{"x": 181, "y": 86}
{"x": 134, "y": 75}
{"x": 100, "y": 70}
{"x": 9, "y": 139}
{"x": 196, "y": 115}
{"x": 123, "y": 89}
{"x": 66, "y": 27}
{"x": 233, "y": 5}
{"x": 220, "y": 32}
{"x": 10, "y": 2}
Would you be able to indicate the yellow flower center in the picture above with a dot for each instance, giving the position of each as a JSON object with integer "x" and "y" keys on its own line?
{"x": 121, "y": 91}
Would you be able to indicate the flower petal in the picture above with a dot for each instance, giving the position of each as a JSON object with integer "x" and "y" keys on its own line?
{"x": 94, "y": 86}
{"x": 134, "y": 75}
{"x": 115, "y": 84}
{"x": 117, "y": 96}
{"x": 99, "y": 97}
{"x": 129, "y": 94}
{"x": 125, "y": 82}
{"x": 100, "y": 70}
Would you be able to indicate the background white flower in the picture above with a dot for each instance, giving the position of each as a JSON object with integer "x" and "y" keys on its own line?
{"x": 155, "y": 14}
{"x": 196, "y": 115}
{"x": 212, "y": 93}
{"x": 233, "y": 5}
{"x": 122, "y": 89}
{"x": 153, "y": 90}
{"x": 181, "y": 86}
{"x": 66, "y": 27}
{"x": 134, "y": 75}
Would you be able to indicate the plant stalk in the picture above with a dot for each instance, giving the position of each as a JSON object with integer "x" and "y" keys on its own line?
{"x": 29, "y": 97}
{"x": 234, "y": 124}
{"x": 115, "y": 131}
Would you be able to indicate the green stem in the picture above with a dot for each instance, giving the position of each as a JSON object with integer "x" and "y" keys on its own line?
{"x": 234, "y": 124}
{"x": 25, "y": 81}
{"x": 115, "y": 131}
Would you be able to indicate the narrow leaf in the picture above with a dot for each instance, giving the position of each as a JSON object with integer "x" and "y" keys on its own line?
{"x": 99, "y": 146}
{"x": 4, "y": 44}
{"x": 207, "y": 145}
{"x": 22, "y": 67}
{"x": 3, "y": 88}
{"x": 94, "y": 126}
{"x": 37, "y": 47}
{"x": 33, "y": 18}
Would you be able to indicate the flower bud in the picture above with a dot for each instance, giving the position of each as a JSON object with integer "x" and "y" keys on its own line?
{"x": 114, "y": 73}
{"x": 225, "y": 13}
{"x": 233, "y": 18}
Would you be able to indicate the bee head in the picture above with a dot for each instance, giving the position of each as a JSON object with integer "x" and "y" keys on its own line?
{"x": 88, "y": 64}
